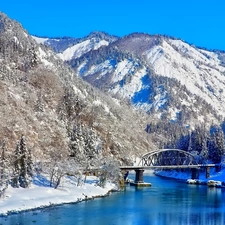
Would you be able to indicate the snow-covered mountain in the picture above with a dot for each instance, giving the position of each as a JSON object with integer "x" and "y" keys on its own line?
{"x": 71, "y": 48}
{"x": 58, "y": 113}
{"x": 164, "y": 76}
{"x": 173, "y": 85}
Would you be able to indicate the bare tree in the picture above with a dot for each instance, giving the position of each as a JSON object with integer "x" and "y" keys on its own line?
{"x": 110, "y": 171}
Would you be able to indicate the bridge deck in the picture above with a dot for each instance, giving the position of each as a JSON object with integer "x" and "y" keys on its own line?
{"x": 167, "y": 167}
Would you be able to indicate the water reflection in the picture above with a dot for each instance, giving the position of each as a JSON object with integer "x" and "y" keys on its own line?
{"x": 166, "y": 202}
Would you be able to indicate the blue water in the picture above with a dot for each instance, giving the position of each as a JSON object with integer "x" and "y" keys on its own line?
{"x": 166, "y": 202}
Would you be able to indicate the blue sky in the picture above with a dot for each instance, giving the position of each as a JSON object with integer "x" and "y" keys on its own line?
{"x": 199, "y": 22}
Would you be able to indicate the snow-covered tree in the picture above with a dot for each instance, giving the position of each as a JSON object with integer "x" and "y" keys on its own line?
{"x": 77, "y": 141}
{"x": 195, "y": 141}
{"x": 216, "y": 145}
{"x": 30, "y": 164}
{"x": 110, "y": 171}
{"x": 16, "y": 167}
{"x": 90, "y": 143}
{"x": 57, "y": 171}
{"x": 22, "y": 165}
{"x": 24, "y": 178}
{"x": 204, "y": 145}
{"x": 4, "y": 170}
{"x": 57, "y": 168}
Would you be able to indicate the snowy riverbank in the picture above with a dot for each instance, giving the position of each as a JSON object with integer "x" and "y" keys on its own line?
{"x": 217, "y": 176}
{"x": 40, "y": 195}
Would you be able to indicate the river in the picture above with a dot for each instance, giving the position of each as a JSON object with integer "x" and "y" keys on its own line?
{"x": 167, "y": 202}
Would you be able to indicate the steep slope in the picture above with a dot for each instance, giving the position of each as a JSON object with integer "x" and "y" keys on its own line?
{"x": 163, "y": 76}
{"x": 44, "y": 100}
{"x": 200, "y": 71}
{"x": 70, "y": 48}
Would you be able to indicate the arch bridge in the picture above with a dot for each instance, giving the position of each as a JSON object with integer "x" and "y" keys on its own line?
{"x": 168, "y": 159}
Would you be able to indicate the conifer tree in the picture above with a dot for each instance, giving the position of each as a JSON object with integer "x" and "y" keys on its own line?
{"x": 90, "y": 144}
{"x": 77, "y": 141}
{"x": 4, "y": 170}
{"x": 204, "y": 144}
{"x": 16, "y": 167}
{"x": 24, "y": 178}
{"x": 29, "y": 164}
{"x": 22, "y": 165}
{"x": 216, "y": 145}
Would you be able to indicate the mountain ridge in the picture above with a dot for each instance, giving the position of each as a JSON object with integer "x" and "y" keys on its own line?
{"x": 195, "y": 70}
{"x": 175, "y": 88}
{"x": 43, "y": 99}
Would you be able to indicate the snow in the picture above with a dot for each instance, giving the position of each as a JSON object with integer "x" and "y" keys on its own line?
{"x": 99, "y": 103}
{"x": 160, "y": 100}
{"x": 42, "y": 55}
{"x": 189, "y": 51}
{"x": 25, "y": 34}
{"x": 174, "y": 112}
{"x": 217, "y": 176}
{"x": 81, "y": 68}
{"x": 81, "y": 48}
{"x": 40, "y": 195}
{"x": 100, "y": 43}
{"x": 131, "y": 89}
{"x": 39, "y": 40}
{"x": 78, "y": 92}
{"x": 123, "y": 68}
{"x": 16, "y": 40}
{"x": 103, "y": 68}
{"x": 77, "y": 49}
{"x": 199, "y": 70}
{"x": 128, "y": 89}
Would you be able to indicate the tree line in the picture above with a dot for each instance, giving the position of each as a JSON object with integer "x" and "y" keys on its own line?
{"x": 206, "y": 144}
{"x": 18, "y": 169}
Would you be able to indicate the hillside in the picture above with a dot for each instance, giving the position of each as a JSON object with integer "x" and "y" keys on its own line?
{"x": 44, "y": 100}
{"x": 166, "y": 77}
{"x": 176, "y": 90}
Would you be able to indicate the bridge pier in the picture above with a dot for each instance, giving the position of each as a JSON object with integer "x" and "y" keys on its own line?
{"x": 139, "y": 176}
{"x": 194, "y": 173}
{"x": 217, "y": 168}
{"x": 207, "y": 172}
{"x": 139, "y": 181}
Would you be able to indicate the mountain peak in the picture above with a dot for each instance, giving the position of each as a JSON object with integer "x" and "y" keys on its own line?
{"x": 102, "y": 35}
{"x": 139, "y": 66}
{"x": 137, "y": 42}
{"x": 5, "y": 22}
{"x": 8, "y": 24}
